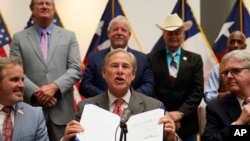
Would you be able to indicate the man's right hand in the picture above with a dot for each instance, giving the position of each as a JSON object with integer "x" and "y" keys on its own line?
{"x": 72, "y": 128}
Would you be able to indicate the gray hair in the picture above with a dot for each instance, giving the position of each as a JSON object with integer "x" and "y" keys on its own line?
{"x": 7, "y": 61}
{"x": 119, "y": 19}
{"x": 243, "y": 55}
{"x": 33, "y": 2}
{"x": 106, "y": 59}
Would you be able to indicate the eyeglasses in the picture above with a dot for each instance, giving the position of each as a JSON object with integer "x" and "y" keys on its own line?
{"x": 233, "y": 71}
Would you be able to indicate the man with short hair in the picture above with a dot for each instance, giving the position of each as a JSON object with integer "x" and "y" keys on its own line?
{"x": 18, "y": 120}
{"x": 52, "y": 66}
{"x": 231, "y": 109}
{"x": 119, "y": 33}
{"x": 118, "y": 69}
{"x": 178, "y": 77}
{"x": 216, "y": 87}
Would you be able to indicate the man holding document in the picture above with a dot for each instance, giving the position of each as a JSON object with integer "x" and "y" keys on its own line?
{"x": 118, "y": 69}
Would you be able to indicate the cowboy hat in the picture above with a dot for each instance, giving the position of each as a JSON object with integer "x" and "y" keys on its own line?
{"x": 174, "y": 22}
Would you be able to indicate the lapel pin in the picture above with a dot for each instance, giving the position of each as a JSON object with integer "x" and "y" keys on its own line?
{"x": 20, "y": 112}
{"x": 185, "y": 58}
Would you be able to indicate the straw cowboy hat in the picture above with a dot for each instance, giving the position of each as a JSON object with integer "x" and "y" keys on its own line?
{"x": 174, "y": 22}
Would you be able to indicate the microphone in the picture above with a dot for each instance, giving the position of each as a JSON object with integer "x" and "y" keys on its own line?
{"x": 125, "y": 116}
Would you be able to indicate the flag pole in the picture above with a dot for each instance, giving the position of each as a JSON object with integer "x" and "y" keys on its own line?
{"x": 183, "y": 10}
{"x": 113, "y": 9}
{"x": 241, "y": 16}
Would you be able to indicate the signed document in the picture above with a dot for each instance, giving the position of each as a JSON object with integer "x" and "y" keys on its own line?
{"x": 102, "y": 125}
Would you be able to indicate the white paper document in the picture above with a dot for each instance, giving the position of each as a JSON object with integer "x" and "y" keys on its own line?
{"x": 102, "y": 125}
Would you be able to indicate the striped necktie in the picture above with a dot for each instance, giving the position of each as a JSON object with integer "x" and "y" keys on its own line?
{"x": 173, "y": 69}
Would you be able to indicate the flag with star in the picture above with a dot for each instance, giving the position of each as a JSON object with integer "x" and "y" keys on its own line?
{"x": 238, "y": 19}
{"x": 100, "y": 39}
{"x": 5, "y": 38}
{"x": 195, "y": 39}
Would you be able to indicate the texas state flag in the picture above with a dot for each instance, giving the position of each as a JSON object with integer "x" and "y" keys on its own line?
{"x": 238, "y": 19}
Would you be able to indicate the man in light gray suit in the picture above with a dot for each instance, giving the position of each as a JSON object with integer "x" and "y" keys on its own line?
{"x": 28, "y": 121}
{"x": 49, "y": 81}
{"x": 119, "y": 69}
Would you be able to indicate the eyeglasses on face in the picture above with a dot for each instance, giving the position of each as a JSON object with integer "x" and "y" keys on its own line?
{"x": 233, "y": 71}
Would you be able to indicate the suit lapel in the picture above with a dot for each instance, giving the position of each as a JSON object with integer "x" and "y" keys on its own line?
{"x": 32, "y": 37}
{"x": 234, "y": 108}
{"x": 163, "y": 64}
{"x": 135, "y": 103}
{"x": 18, "y": 122}
{"x": 102, "y": 101}
{"x": 54, "y": 39}
{"x": 184, "y": 58}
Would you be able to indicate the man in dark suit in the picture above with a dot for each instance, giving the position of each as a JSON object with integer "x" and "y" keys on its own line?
{"x": 230, "y": 109}
{"x": 27, "y": 122}
{"x": 49, "y": 81}
{"x": 178, "y": 77}
{"x": 92, "y": 82}
{"x": 119, "y": 69}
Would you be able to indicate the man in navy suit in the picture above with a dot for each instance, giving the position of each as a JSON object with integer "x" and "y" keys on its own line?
{"x": 179, "y": 88}
{"x": 119, "y": 33}
{"x": 230, "y": 109}
{"x": 28, "y": 122}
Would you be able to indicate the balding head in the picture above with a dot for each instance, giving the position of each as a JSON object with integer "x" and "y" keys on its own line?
{"x": 236, "y": 40}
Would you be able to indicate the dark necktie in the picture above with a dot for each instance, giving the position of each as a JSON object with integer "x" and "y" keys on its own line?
{"x": 7, "y": 124}
{"x": 118, "y": 109}
{"x": 44, "y": 44}
{"x": 246, "y": 101}
{"x": 173, "y": 70}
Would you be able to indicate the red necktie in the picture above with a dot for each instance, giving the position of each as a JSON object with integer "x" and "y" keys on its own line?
{"x": 246, "y": 101}
{"x": 44, "y": 44}
{"x": 118, "y": 110}
{"x": 7, "y": 125}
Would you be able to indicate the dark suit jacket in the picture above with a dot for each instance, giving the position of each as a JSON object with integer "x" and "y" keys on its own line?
{"x": 29, "y": 124}
{"x": 92, "y": 82}
{"x": 138, "y": 103}
{"x": 220, "y": 114}
{"x": 62, "y": 67}
{"x": 186, "y": 94}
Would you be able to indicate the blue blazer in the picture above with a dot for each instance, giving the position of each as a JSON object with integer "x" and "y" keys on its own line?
{"x": 92, "y": 82}
{"x": 29, "y": 124}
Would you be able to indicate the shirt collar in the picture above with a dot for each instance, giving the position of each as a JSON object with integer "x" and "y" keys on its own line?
{"x": 126, "y": 48}
{"x": 1, "y": 106}
{"x": 40, "y": 30}
{"x": 112, "y": 98}
{"x": 178, "y": 51}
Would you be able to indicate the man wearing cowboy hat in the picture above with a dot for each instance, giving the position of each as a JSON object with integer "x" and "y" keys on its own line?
{"x": 178, "y": 77}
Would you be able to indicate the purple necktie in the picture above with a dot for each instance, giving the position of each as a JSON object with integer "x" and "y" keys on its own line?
{"x": 44, "y": 44}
